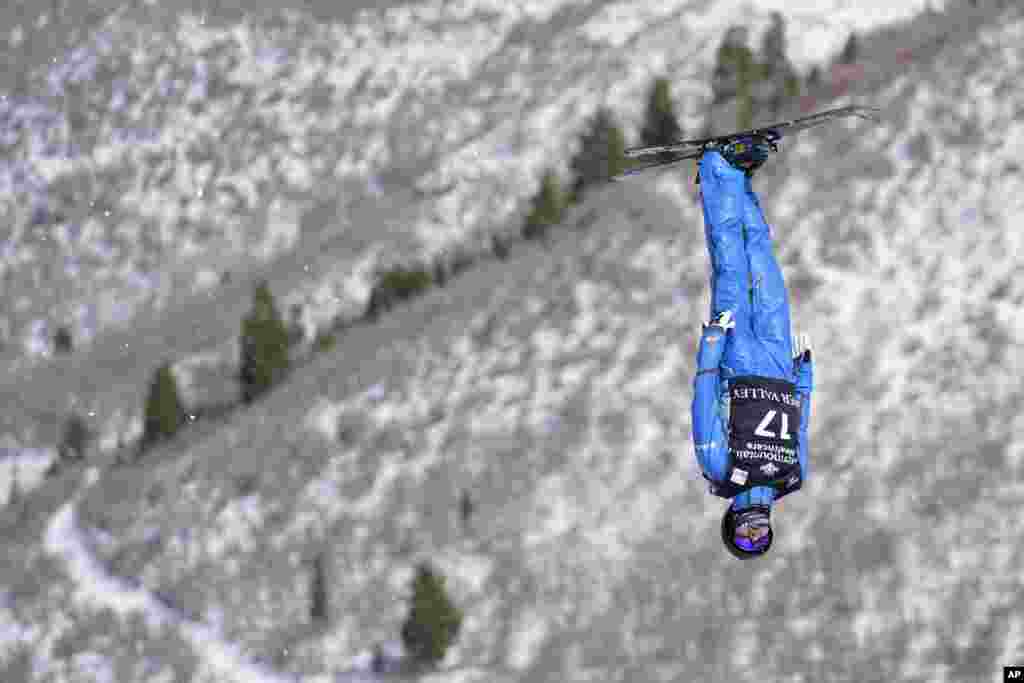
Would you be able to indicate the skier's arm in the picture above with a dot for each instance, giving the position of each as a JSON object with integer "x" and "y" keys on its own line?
{"x": 708, "y": 432}
{"x": 804, "y": 389}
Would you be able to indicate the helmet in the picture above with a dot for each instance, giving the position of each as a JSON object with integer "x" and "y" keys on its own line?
{"x": 732, "y": 519}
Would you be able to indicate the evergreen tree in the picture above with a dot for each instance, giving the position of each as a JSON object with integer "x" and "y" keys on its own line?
{"x": 318, "y": 590}
{"x": 164, "y": 414}
{"x": 440, "y": 274}
{"x": 736, "y": 72}
{"x": 62, "y": 342}
{"x": 499, "y": 248}
{"x": 734, "y": 66}
{"x": 661, "y": 127}
{"x": 74, "y": 438}
{"x": 398, "y": 284}
{"x": 777, "y": 69}
{"x": 547, "y": 209}
{"x": 602, "y": 153}
{"x": 296, "y": 333}
{"x": 264, "y": 346}
{"x": 17, "y": 504}
{"x": 433, "y": 622}
{"x": 465, "y": 509}
{"x": 851, "y": 51}
{"x": 814, "y": 77}
{"x": 379, "y": 663}
{"x": 14, "y": 492}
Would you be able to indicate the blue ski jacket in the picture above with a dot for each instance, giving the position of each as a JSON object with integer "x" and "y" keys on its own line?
{"x": 747, "y": 280}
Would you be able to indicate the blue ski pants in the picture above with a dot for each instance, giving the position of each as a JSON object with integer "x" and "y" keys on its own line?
{"x": 745, "y": 277}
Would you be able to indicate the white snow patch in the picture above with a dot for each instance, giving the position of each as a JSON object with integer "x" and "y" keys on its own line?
{"x": 14, "y": 634}
{"x": 28, "y": 465}
{"x": 237, "y": 524}
{"x": 323, "y": 418}
{"x": 554, "y": 513}
{"x": 94, "y": 587}
{"x": 282, "y": 231}
{"x": 94, "y": 666}
{"x": 526, "y": 641}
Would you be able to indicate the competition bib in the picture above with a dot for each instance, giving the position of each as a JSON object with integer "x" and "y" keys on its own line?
{"x": 764, "y": 428}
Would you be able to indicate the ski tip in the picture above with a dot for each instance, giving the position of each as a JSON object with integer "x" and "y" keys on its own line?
{"x": 867, "y": 112}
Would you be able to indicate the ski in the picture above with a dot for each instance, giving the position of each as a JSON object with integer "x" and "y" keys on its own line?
{"x": 664, "y": 163}
{"x": 691, "y": 149}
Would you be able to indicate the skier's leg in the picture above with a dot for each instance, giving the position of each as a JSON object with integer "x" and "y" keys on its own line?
{"x": 770, "y": 302}
{"x": 722, "y": 199}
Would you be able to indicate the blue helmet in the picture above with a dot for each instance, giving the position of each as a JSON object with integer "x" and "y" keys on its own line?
{"x": 740, "y": 546}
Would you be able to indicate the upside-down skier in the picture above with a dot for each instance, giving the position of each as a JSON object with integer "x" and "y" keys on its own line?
{"x": 752, "y": 390}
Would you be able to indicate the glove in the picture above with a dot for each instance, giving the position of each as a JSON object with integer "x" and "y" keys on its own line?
{"x": 724, "y": 321}
{"x": 802, "y": 347}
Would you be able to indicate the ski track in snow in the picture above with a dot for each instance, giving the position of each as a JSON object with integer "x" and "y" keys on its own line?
{"x": 97, "y": 589}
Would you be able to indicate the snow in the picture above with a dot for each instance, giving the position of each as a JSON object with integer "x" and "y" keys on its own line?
{"x": 611, "y": 495}
{"x": 526, "y": 639}
{"x": 95, "y": 588}
{"x": 93, "y": 665}
{"x": 26, "y": 464}
{"x": 14, "y": 635}
{"x": 412, "y": 54}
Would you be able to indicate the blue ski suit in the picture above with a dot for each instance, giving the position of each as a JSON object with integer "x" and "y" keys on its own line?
{"x": 745, "y": 279}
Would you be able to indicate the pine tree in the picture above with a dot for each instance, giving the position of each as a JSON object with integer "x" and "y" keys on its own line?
{"x": 499, "y": 248}
{"x": 736, "y": 72}
{"x": 433, "y": 623}
{"x": 465, "y": 509}
{"x": 814, "y": 77}
{"x": 602, "y": 153}
{"x": 318, "y": 590}
{"x": 379, "y": 662}
{"x": 778, "y": 70}
{"x": 851, "y": 51}
{"x": 548, "y": 206}
{"x": 17, "y": 503}
{"x": 164, "y": 414}
{"x": 14, "y": 492}
{"x": 74, "y": 438}
{"x": 399, "y": 284}
{"x": 734, "y": 64}
{"x": 661, "y": 127}
{"x": 62, "y": 342}
{"x": 264, "y": 346}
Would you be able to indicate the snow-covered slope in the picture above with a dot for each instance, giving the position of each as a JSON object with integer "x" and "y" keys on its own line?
{"x": 152, "y": 159}
{"x": 204, "y": 157}
{"x": 554, "y": 388}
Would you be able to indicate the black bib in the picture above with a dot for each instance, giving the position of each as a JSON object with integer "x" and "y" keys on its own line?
{"x": 764, "y": 432}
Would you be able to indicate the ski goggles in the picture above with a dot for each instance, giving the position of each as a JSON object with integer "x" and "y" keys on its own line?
{"x": 756, "y": 543}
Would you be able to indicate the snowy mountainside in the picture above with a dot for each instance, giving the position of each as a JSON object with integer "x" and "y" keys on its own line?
{"x": 148, "y": 162}
{"x": 153, "y": 181}
{"x": 143, "y": 169}
{"x": 554, "y": 387}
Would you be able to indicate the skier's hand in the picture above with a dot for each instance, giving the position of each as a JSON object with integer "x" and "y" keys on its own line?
{"x": 724, "y": 321}
{"x": 802, "y": 347}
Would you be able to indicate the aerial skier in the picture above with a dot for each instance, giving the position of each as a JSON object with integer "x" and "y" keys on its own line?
{"x": 752, "y": 390}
